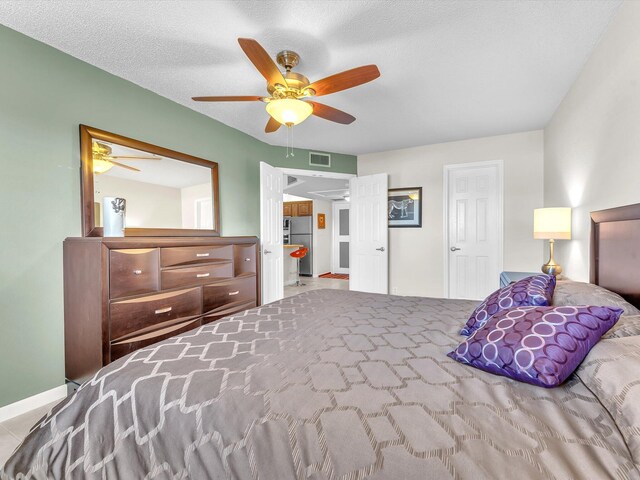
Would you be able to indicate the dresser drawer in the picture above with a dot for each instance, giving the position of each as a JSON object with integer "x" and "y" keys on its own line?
{"x": 129, "y": 316}
{"x": 244, "y": 259}
{"x": 177, "y": 256}
{"x": 133, "y": 271}
{"x": 131, "y": 344}
{"x": 227, "y": 310}
{"x": 196, "y": 275}
{"x": 236, "y": 290}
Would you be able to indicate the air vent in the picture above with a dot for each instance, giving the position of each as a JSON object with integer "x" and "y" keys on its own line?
{"x": 319, "y": 159}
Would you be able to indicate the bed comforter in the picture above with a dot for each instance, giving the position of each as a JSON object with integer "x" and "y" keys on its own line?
{"x": 324, "y": 385}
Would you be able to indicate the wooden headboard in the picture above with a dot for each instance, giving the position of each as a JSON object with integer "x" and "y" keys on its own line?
{"x": 615, "y": 251}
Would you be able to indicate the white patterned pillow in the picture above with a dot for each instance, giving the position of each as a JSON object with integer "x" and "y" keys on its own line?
{"x": 570, "y": 293}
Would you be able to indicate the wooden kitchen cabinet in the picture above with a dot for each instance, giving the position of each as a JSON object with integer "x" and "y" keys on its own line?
{"x": 305, "y": 209}
{"x": 298, "y": 209}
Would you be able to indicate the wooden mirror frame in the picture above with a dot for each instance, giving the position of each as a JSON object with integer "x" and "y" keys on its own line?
{"x": 89, "y": 228}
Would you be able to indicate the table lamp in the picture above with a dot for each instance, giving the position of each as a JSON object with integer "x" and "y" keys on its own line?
{"x": 552, "y": 224}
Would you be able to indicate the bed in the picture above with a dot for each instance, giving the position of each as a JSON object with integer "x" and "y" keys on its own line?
{"x": 332, "y": 385}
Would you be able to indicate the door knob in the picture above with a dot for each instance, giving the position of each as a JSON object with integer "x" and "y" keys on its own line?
{"x": 267, "y": 251}
{"x": 455, "y": 249}
{"x": 381, "y": 249}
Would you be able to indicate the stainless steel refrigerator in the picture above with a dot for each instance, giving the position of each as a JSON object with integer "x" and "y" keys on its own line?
{"x": 301, "y": 233}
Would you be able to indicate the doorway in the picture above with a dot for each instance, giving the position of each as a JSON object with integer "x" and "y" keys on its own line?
{"x": 368, "y": 256}
{"x": 473, "y": 203}
{"x": 307, "y": 222}
{"x": 340, "y": 263}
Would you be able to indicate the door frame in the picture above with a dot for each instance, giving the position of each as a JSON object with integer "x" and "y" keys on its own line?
{"x": 303, "y": 171}
{"x": 447, "y": 169}
{"x": 335, "y": 255}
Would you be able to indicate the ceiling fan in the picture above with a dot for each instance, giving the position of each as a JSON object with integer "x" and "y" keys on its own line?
{"x": 287, "y": 102}
{"x": 103, "y": 161}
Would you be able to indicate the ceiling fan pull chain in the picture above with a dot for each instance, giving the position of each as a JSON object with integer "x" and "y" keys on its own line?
{"x": 287, "y": 142}
{"x": 292, "y": 154}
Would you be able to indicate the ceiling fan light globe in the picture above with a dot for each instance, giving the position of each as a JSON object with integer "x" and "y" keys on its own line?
{"x": 289, "y": 111}
{"x": 101, "y": 166}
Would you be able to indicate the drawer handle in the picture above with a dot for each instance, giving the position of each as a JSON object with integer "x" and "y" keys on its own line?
{"x": 247, "y": 259}
{"x": 137, "y": 272}
{"x": 202, "y": 254}
{"x": 163, "y": 310}
{"x": 202, "y": 275}
{"x": 234, "y": 293}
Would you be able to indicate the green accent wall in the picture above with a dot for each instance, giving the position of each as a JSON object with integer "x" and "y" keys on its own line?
{"x": 44, "y": 95}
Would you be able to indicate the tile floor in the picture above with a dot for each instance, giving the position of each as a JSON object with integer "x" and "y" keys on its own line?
{"x": 317, "y": 284}
{"x": 14, "y": 430}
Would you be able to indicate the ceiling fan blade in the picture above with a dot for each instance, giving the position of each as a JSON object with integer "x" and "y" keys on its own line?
{"x": 246, "y": 98}
{"x": 262, "y": 61}
{"x": 272, "y": 125}
{"x": 332, "y": 114}
{"x": 127, "y": 157}
{"x": 348, "y": 79}
{"x": 124, "y": 166}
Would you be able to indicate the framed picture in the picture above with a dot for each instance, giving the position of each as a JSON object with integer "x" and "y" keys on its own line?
{"x": 322, "y": 221}
{"x": 405, "y": 207}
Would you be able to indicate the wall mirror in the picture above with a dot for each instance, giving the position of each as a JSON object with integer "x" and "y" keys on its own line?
{"x": 167, "y": 193}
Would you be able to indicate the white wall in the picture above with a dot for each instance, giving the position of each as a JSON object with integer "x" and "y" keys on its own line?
{"x": 148, "y": 205}
{"x": 416, "y": 255}
{"x": 322, "y": 238}
{"x": 188, "y": 196}
{"x": 592, "y": 143}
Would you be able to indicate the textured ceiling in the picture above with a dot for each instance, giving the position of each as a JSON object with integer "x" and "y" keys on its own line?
{"x": 450, "y": 69}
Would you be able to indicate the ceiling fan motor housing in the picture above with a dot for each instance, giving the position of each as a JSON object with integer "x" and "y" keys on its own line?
{"x": 287, "y": 59}
{"x": 296, "y": 82}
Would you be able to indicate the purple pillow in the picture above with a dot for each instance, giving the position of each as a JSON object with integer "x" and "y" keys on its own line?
{"x": 531, "y": 291}
{"x": 537, "y": 345}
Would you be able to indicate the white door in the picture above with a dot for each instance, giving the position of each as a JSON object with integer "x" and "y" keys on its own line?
{"x": 368, "y": 252}
{"x": 474, "y": 211}
{"x": 340, "y": 262}
{"x": 271, "y": 194}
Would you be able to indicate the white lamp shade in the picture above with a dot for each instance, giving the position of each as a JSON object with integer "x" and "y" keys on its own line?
{"x": 289, "y": 111}
{"x": 552, "y": 223}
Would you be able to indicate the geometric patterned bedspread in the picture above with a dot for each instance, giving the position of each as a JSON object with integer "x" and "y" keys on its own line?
{"x": 328, "y": 384}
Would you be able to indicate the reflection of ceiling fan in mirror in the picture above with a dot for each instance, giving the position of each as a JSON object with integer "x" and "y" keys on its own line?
{"x": 288, "y": 103}
{"x": 103, "y": 161}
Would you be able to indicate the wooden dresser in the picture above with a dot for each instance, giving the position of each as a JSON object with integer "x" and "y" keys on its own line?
{"x": 122, "y": 294}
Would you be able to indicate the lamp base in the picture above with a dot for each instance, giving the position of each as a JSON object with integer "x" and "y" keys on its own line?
{"x": 551, "y": 267}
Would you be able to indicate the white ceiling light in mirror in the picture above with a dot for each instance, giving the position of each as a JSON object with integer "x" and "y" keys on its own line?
{"x": 104, "y": 159}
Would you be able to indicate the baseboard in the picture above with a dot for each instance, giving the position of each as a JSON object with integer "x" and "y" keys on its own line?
{"x": 33, "y": 402}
